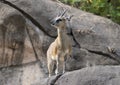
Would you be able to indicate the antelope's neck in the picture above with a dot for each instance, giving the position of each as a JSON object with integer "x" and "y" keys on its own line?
{"x": 61, "y": 36}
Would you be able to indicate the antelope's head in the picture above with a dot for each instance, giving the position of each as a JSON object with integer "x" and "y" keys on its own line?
{"x": 60, "y": 21}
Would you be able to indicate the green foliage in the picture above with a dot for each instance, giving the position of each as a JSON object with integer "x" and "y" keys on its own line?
{"x": 105, "y": 8}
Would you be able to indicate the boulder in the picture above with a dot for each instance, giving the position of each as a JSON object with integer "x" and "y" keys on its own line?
{"x": 107, "y": 75}
{"x": 25, "y": 74}
{"x": 95, "y": 39}
{"x": 98, "y": 75}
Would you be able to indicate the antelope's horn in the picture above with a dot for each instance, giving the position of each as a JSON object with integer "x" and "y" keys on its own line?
{"x": 63, "y": 13}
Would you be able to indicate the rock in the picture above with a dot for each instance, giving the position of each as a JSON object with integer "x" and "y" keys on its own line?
{"x": 98, "y": 75}
{"x": 16, "y": 47}
{"x": 107, "y": 75}
{"x": 25, "y": 74}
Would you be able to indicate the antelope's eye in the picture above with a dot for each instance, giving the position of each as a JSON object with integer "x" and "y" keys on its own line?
{"x": 57, "y": 21}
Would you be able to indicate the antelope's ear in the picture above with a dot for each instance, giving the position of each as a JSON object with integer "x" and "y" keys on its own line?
{"x": 69, "y": 18}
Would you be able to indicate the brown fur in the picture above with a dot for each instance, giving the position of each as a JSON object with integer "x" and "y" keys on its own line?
{"x": 59, "y": 49}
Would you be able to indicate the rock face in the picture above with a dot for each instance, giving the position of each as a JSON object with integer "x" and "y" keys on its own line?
{"x": 92, "y": 76}
{"x": 21, "y": 75}
{"x": 107, "y": 75}
{"x": 26, "y": 75}
{"x": 96, "y": 40}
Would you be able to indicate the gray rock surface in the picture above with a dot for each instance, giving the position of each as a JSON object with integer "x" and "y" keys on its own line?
{"x": 26, "y": 75}
{"x": 21, "y": 75}
{"x": 107, "y": 75}
{"x": 98, "y": 75}
{"x": 16, "y": 49}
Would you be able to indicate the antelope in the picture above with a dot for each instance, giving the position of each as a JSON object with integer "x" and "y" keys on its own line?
{"x": 61, "y": 48}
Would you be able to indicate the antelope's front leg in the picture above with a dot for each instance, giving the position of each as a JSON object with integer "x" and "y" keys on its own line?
{"x": 50, "y": 67}
{"x": 60, "y": 66}
{"x": 64, "y": 67}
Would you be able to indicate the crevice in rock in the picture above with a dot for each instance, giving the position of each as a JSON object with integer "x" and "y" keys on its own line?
{"x": 91, "y": 51}
{"x": 19, "y": 65}
{"x": 104, "y": 54}
{"x": 74, "y": 39}
{"x": 29, "y": 17}
{"x": 3, "y": 42}
{"x": 55, "y": 80}
{"x": 36, "y": 55}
